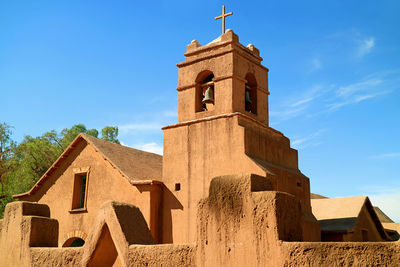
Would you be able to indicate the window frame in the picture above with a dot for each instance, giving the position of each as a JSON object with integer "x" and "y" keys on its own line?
{"x": 78, "y": 173}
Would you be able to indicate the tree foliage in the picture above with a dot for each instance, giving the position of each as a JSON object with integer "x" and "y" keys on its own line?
{"x": 6, "y": 148}
{"x": 110, "y": 134}
{"x": 22, "y": 165}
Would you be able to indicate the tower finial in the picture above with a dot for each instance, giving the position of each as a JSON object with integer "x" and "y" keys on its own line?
{"x": 223, "y": 18}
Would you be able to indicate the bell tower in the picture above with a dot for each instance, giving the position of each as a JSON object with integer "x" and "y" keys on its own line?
{"x": 222, "y": 77}
{"x": 223, "y": 129}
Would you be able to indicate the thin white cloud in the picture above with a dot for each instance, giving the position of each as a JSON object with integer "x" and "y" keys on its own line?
{"x": 287, "y": 113}
{"x": 374, "y": 85}
{"x": 302, "y": 101}
{"x": 364, "y": 97}
{"x": 151, "y": 126}
{"x": 152, "y": 147}
{"x": 386, "y": 156}
{"x": 337, "y": 105}
{"x": 366, "y": 46}
{"x": 349, "y": 90}
{"x": 308, "y": 141}
{"x": 296, "y": 106}
{"x": 328, "y": 98}
{"x": 354, "y": 100}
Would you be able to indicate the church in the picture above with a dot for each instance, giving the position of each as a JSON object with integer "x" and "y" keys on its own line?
{"x": 227, "y": 191}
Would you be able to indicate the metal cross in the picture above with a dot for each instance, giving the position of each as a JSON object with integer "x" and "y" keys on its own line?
{"x": 223, "y": 18}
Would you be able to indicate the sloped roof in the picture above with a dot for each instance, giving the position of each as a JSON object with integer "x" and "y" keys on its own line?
{"x": 133, "y": 163}
{"x": 269, "y": 166}
{"x": 341, "y": 214}
{"x": 382, "y": 216}
{"x": 139, "y": 167}
{"x": 316, "y": 196}
{"x": 334, "y": 208}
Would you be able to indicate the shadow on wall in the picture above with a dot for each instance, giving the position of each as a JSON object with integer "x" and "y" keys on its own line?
{"x": 106, "y": 253}
{"x": 170, "y": 202}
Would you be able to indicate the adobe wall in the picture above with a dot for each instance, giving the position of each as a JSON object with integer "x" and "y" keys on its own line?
{"x": 56, "y": 257}
{"x": 162, "y": 255}
{"x": 197, "y": 151}
{"x": 25, "y": 225}
{"x": 340, "y": 254}
{"x": 104, "y": 183}
{"x": 139, "y": 255}
{"x": 240, "y": 223}
{"x": 29, "y": 238}
{"x": 218, "y": 150}
{"x": 271, "y": 148}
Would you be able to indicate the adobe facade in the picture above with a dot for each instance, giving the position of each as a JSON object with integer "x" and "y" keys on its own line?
{"x": 240, "y": 223}
{"x": 348, "y": 219}
{"x": 226, "y": 136}
{"x": 229, "y": 193}
{"x": 106, "y": 180}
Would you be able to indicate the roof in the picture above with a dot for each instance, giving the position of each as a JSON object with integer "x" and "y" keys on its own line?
{"x": 269, "y": 167}
{"x": 334, "y": 208}
{"x": 382, "y": 216}
{"x": 341, "y": 214}
{"x": 316, "y": 196}
{"x": 138, "y": 167}
{"x": 134, "y": 164}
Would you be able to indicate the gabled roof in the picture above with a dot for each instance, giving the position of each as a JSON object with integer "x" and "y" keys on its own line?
{"x": 139, "y": 167}
{"x": 382, "y": 216}
{"x": 341, "y": 214}
{"x": 335, "y": 208}
{"x": 134, "y": 164}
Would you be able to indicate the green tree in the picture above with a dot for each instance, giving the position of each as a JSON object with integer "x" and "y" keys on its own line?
{"x": 34, "y": 155}
{"x": 22, "y": 166}
{"x": 110, "y": 134}
{"x": 68, "y": 135}
{"x": 7, "y": 146}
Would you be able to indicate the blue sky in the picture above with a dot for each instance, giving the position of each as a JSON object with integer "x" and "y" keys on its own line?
{"x": 334, "y": 76}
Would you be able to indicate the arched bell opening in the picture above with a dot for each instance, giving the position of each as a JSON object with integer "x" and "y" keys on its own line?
{"x": 205, "y": 94}
{"x": 74, "y": 242}
{"x": 250, "y": 94}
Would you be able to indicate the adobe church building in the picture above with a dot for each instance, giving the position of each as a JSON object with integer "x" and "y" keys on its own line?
{"x": 90, "y": 172}
{"x": 348, "y": 219}
{"x": 228, "y": 192}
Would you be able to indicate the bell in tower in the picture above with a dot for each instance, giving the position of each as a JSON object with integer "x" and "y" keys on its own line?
{"x": 247, "y": 98}
{"x": 208, "y": 95}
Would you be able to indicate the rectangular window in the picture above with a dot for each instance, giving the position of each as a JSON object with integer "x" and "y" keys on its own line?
{"x": 79, "y": 191}
{"x": 83, "y": 191}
